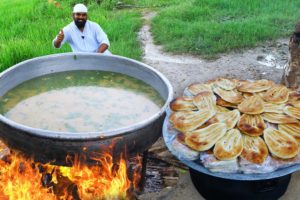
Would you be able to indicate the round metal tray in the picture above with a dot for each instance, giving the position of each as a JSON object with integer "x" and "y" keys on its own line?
{"x": 196, "y": 165}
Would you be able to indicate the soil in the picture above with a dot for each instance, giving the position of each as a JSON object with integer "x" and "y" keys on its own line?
{"x": 263, "y": 62}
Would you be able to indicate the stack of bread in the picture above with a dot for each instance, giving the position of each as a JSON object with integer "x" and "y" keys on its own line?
{"x": 238, "y": 119}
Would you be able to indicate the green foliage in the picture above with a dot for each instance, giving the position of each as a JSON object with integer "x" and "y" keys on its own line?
{"x": 214, "y": 26}
{"x": 27, "y": 29}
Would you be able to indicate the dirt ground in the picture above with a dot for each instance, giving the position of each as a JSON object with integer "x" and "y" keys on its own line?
{"x": 264, "y": 62}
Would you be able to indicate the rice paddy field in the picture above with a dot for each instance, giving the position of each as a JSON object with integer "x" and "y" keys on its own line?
{"x": 200, "y": 27}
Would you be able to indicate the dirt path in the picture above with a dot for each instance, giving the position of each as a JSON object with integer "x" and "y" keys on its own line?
{"x": 266, "y": 61}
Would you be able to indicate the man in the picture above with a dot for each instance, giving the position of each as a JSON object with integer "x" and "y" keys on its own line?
{"x": 82, "y": 35}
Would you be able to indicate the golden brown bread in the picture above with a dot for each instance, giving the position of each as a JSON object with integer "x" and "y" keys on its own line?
{"x": 222, "y": 102}
{"x": 278, "y": 118}
{"x": 225, "y": 83}
{"x": 254, "y": 149}
{"x": 292, "y": 111}
{"x": 252, "y": 105}
{"x": 231, "y": 96}
{"x": 253, "y": 87}
{"x": 204, "y": 139}
{"x": 196, "y": 88}
{"x": 252, "y": 125}
{"x": 220, "y": 109}
{"x": 185, "y": 121}
{"x": 294, "y": 99}
{"x": 183, "y": 103}
{"x": 205, "y": 100}
{"x": 278, "y": 94}
{"x": 273, "y": 108}
{"x": 230, "y": 146}
{"x": 229, "y": 118}
{"x": 280, "y": 144}
{"x": 291, "y": 129}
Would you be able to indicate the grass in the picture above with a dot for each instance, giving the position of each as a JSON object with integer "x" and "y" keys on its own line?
{"x": 27, "y": 29}
{"x": 203, "y": 27}
{"x": 209, "y": 27}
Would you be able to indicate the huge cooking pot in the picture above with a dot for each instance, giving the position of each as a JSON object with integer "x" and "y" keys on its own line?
{"x": 55, "y": 146}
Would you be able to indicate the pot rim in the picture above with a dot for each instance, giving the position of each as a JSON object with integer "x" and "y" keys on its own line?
{"x": 94, "y": 134}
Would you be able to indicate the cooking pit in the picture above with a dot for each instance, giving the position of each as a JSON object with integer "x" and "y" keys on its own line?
{"x": 71, "y": 154}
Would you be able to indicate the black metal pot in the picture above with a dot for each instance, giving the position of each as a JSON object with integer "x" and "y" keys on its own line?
{"x": 214, "y": 188}
{"x": 56, "y": 146}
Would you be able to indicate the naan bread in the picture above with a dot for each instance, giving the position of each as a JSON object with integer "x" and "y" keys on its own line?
{"x": 184, "y": 151}
{"x": 252, "y": 125}
{"x": 254, "y": 149}
{"x": 199, "y": 87}
{"x": 252, "y": 105}
{"x": 291, "y": 129}
{"x": 273, "y": 108}
{"x": 292, "y": 111}
{"x": 205, "y": 100}
{"x": 278, "y": 94}
{"x": 278, "y": 118}
{"x": 226, "y": 84}
{"x": 220, "y": 109}
{"x": 256, "y": 86}
{"x": 190, "y": 120}
{"x": 231, "y": 96}
{"x": 294, "y": 99}
{"x": 224, "y": 103}
{"x": 204, "y": 139}
{"x": 230, "y": 146}
{"x": 280, "y": 144}
{"x": 183, "y": 103}
{"x": 229, "y": 118}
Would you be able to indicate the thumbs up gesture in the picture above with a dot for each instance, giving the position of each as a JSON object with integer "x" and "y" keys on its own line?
{"x": 60, "y": 36}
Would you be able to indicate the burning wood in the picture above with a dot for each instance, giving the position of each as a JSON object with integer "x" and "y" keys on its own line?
{"x": 21, "y": 178}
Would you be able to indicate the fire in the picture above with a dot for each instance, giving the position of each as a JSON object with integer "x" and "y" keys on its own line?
{"x": 21, "y": 178}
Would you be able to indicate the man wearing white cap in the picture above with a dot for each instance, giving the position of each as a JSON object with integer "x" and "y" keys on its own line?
{"x": 82, "y": 35}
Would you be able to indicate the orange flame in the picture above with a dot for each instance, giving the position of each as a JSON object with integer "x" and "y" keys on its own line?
{"x": 20, "y": 179}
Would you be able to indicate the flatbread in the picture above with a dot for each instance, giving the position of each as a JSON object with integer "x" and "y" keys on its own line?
{"x": 280, "y": 144}
{"x": 254, "y": 149}
{"x": 291, "y": 129}
{"x": 220, "y": 109}
{"x": 292, "y": 111}
{"x": 273, "y": 108}
{"x": 252, "y": 125}
{"x": 252, "y": 105}
{"x": 204, "y": 139}
{"x": 278, "y": 118}
{"x": 196, "y": 88}
{"x": 294, "y": 99}
{"x": 183, "y": 103}
{"x": 255, "y": 86}
{"x": 229, "y": 118}
{"x": 230, "y": 146}
{"x": 185, "y": 121}
{"x": 205, "y": 100}
{"x": 226, "y": 84}
{"x": 222, "y": 102}
{"x": 278, "y": 94}
{"x": 231, "y": 96}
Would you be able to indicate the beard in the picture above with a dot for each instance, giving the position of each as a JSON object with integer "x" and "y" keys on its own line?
{"x": 80, "y": 24}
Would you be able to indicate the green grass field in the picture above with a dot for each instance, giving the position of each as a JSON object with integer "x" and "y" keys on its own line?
{"x": 27, "y": 29}
{"x": 203, "y": 27}
{"x": 207, "y": 27}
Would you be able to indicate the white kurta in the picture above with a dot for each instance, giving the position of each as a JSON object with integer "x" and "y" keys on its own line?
{"x": 87, "y": 41}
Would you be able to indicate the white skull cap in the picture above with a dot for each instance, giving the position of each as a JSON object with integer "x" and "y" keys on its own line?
{"x": 80, "y": 8}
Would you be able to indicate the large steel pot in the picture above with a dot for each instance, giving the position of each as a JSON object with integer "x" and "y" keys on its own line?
{"x": 47, "y": 145}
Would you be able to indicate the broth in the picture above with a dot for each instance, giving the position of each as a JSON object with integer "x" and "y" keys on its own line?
{"x": 81, "y": 101}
